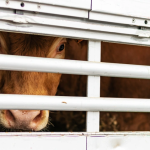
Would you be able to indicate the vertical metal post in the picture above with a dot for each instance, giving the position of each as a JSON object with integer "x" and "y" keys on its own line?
{"x": 93, "y": 86}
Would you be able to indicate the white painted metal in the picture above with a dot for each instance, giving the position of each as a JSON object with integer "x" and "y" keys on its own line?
{"x": 119, "y": 19}
{"x": 76, "y": 134}
{"x": 70, "y": 23}
{"x": 124, "y": 12}
{"x": 64, "y": 103}
{"x": 93, "y": 86}
{"x": 39, "y": 141}
{"x": 44, "y": 8}
{"x": 74, "y": 141}
{"x": 75, "y": 28}
{"x": 81, "y": 4}
{"x": 118, "y": 142}
{"x": 36, "y": 64}
{"x": 134, "y": 8}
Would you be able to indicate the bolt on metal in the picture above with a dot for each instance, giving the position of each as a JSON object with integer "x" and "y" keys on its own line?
{"x": 133, "y": 20}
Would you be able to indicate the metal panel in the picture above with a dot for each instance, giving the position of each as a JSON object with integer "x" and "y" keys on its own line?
{"x": 119, "y": 19}
{"x": 64, "y": 103}
{"x": 81, "y": 4}
{"x": 36, "y": 64}
{"x": 44, "y": 8}
{"x": 75, "y": 141}
{"x": 134, "y": 8}
{"x": 75, "y": 28}
{"x": 68, "y": 23}
{"x": 39, "y": 141}
{"x": 118, "y": 142}
{"x": 93, "y": 86}
{"x": 123, "y": 12}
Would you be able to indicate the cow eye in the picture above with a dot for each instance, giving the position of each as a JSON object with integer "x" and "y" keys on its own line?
{"x": 61, "y": 47}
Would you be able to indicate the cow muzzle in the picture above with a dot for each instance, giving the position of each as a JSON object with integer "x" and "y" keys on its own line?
{"x": 33, "y": 120}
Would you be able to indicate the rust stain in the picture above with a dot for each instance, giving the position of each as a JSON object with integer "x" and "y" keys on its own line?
{"x": 64, "y": 102}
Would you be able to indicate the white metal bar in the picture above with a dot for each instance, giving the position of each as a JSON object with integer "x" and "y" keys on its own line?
{"x": 76, "y": 134}
{"x": 81, "y": 4}
{"x": 64, "y": 103}
{"x": 44, "y": 8}
{"x": 84, "y": 29}
{"x": 36, "y": 64}
{"x": 119, "y": 19}
{"x": 93, "y": 86}
{"x": 68, "y": 23}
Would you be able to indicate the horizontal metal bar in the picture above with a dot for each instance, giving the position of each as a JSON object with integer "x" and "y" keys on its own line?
{"x": 69, "y": 23}
{"x": 119, "y": 19}
{"x": 44, "y": 8}
{"x": 76, "y": 134}
{"x": 81, "y": 4}
{"x": 36, "y": 64}
{"x": 84, "y": 29}
{"x": 9, "y": 101}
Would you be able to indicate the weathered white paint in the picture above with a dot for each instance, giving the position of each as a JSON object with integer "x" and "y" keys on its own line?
{"x": 93, "y": 86}
{"x": 69, "y": 23}
{"x": 44, "y": 8}
{"x": 74, "y": 28}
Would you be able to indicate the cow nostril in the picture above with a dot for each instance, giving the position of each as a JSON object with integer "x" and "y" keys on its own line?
{"x": 38, "y": 117}
{"x": 10, "y": 116}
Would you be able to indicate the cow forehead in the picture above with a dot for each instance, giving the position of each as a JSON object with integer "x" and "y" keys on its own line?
{"x": 32, "y": 45}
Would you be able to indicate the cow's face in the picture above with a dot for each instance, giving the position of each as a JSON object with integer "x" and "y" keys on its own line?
{"x": 29, "y": 83}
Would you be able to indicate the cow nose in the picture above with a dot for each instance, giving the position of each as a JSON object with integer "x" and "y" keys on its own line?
{"x": 23, "y": 119}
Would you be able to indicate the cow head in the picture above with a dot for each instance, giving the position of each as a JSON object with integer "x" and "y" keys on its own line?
{"x": 29, "y": 83}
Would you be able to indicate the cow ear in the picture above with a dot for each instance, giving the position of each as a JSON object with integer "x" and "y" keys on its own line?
{"x": 4, "y": 43}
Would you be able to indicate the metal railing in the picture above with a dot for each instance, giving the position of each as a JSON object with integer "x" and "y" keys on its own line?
{"x": 84, "y": 22}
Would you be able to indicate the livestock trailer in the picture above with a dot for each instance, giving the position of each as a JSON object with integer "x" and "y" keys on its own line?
{"x": 93, "y": 20}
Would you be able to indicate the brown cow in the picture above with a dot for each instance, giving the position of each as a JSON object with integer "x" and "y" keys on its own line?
{"x": 13, "y": 82}
{"x": 31, "y": 83}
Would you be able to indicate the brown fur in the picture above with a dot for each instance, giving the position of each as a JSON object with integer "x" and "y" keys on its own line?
{"x": 30, "y": 83}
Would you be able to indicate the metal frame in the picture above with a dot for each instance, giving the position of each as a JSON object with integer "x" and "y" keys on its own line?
{"x": 66, "y": 27}
{"x": 48, "y": 8}
{"x": 69, "y": 103}
{"x": 93, "y": 87}
{"x": 25, "y": 63}
{"x": 82, "y": 19}
{"x": 80, "y": 141}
